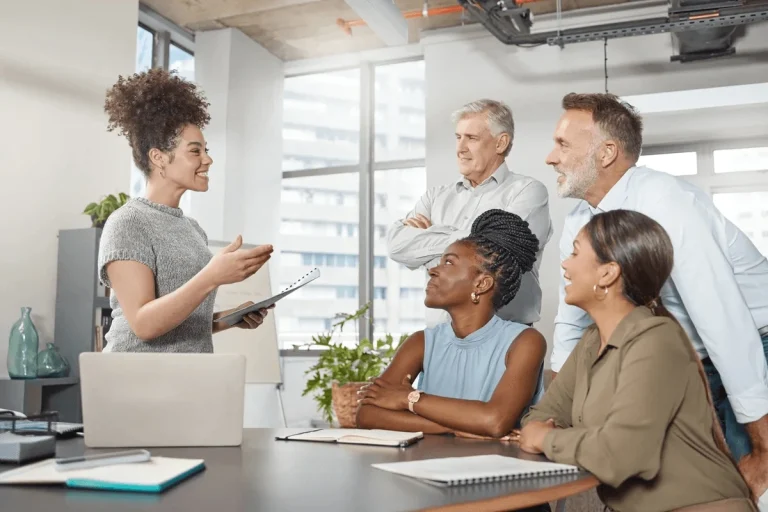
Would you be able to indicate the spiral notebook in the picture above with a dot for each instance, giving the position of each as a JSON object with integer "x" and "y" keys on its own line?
{"x": 452, "y": 471}
{"x": 237, "y": 316}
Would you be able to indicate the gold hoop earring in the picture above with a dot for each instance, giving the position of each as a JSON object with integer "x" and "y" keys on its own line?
{"x": 475, "y": 298}
{"x": 604, "y": 291}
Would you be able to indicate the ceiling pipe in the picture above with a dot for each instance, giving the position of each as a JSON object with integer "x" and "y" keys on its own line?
{"x": 346, "y": 25}
{"x": 726, "y": 16}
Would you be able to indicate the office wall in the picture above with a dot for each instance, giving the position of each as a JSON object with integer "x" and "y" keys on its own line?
{"x": 244, "y": 84}
{"x": 533, "y": 80}
{"x": 56, "y": 153}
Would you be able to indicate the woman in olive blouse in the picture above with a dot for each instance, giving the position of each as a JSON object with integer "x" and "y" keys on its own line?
{"x": 631, "y": 404}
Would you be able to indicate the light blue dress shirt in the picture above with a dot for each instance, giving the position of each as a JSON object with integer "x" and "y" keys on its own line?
{"x": 718, "y": 289}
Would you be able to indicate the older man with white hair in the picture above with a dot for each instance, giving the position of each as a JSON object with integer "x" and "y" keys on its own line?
{"x": 485, "y": 130}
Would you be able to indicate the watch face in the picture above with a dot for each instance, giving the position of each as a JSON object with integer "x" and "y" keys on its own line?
{"x": 413, "y": 396}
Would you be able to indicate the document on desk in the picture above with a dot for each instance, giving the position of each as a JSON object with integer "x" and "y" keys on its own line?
{"x": 451, "y": 471}
{"x": 155, "y": 475}
{"x": 356, "y": 436}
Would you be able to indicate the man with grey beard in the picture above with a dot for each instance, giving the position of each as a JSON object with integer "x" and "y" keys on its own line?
{"x": 718, "y": 289}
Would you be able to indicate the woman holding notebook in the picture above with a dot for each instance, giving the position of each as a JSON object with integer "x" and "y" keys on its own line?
{"x": 154, "y": 258}
{"x": 631, "y": 405}
{"x": 479, "y": 373}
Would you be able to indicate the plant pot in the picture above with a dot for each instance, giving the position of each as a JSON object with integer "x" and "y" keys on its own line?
{"x": 96, "y": 223}
{"x": 344, "y": 399}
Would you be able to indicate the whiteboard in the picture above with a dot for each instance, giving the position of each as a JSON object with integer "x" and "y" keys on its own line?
{"x": 259, "y": 346}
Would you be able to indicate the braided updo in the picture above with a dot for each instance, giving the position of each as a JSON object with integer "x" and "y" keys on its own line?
{"x": 507, "y": 248}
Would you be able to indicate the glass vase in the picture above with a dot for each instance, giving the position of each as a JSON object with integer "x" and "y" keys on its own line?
{"x": 51, "y": 364}
{"x": 22, "y": 347}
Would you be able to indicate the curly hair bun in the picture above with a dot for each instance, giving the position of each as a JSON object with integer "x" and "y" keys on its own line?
{"x": 151, "y": 109}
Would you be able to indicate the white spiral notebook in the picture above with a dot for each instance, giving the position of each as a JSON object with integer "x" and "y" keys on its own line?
{"x": 452, "y": 471}
{"x": 237, "y": 316}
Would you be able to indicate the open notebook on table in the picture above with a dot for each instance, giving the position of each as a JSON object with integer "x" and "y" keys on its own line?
{"x": 453, "y": 471}
{"x": 356, "y": 436}
{"x": 155, "y": 475}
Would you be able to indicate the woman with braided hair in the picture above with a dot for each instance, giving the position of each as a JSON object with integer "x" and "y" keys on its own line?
{"x": 478, "y": 373}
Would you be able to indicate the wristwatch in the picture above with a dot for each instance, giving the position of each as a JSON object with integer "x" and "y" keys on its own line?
{"x": 413, "y": 397}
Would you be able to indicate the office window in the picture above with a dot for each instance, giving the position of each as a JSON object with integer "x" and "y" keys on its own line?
{"x": 318, "y": 228}
{"x": 143, "y": 62}
{"x": 401, "y": 189}
{"x": 182, "y": 61}
{"x": 322, "y": 115}
{"x": 400, "y": 119}
{"x": 143, "y": 49}
{"x": 346, "y": 292}
{"x": 321, "y": 120}
{"x": 677, "y": 164}
{"x": 739, "y": 160}
{"x": 747, "y": 211}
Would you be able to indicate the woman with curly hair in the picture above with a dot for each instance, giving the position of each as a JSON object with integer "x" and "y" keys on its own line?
{"x": 154, "y": 258}
{"x": 479, "y": 373}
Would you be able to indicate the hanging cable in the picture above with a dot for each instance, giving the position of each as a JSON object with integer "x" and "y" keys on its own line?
{"x": 605, "y": 63}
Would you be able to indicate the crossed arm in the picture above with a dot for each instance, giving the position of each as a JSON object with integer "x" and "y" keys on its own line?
{"x": 418, "y": 239}
{"x": 384, "y": 403}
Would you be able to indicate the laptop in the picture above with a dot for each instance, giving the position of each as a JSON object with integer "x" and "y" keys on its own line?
{"x": 149, "y": 399}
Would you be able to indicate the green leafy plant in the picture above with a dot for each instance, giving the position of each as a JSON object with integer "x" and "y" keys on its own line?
{"x": 344, "y": 364}
{"x": 99, "y": 212}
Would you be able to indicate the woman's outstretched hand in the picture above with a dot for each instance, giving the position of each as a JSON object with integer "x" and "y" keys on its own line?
{"x": 234, "y": 264}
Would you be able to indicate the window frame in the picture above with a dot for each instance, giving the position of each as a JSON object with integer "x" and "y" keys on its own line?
{"x": 706, "y": 178}
{"x": 164, "y": 34}
{"x": 366, "y": 168}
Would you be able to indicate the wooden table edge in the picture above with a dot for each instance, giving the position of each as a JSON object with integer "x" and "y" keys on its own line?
{"x": 522, "y": 499}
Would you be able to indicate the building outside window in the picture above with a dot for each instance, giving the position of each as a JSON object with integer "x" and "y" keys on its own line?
{"x": 320, "y": 207}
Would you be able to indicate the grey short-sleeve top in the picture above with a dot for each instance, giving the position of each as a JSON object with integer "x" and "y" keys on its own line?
{"x": 175, "y": 248}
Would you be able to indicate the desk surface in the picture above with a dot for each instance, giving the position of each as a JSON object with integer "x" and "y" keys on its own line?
{"x": 268, "y": 475}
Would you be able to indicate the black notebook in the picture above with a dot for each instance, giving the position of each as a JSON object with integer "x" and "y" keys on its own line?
{"x": 356, "y": 436}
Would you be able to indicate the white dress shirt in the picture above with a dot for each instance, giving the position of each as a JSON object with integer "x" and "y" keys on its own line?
{"x": 453, "y": 208}
{"x": 718, "y": 289}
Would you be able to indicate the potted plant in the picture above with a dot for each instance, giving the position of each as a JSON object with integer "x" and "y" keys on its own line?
{"x": 103, "y": 209}
{"x": 342, "y": 370}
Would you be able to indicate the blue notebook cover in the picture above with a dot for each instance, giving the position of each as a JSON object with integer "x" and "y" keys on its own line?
{"x": 154, "y": 476}
{"x": 85, "y": 483}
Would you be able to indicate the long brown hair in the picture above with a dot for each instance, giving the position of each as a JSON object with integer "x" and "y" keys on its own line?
{"x": 642, "y": 249}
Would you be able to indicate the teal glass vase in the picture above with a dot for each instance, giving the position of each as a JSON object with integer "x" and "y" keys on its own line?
{"x": 51, "y": 364}
{"x": 22, "y": 347}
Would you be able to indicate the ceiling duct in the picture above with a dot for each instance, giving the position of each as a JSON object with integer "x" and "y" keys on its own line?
{"x": 705, "y": 43}
{"x": 703, "y": 29}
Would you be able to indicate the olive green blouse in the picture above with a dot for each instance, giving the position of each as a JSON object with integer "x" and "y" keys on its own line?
{"x": 637, "y": 417}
